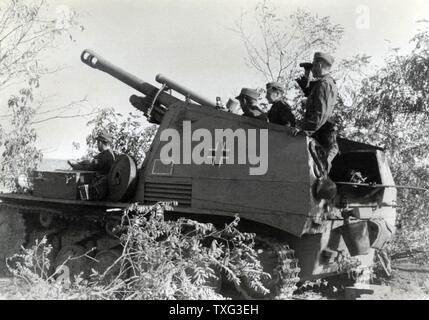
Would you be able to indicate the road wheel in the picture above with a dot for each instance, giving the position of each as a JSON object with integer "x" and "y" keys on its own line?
{"x": 105, "y": 259}
{"x": 73, "y": 261}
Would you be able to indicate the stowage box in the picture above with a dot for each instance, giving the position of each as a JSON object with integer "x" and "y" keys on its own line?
{"x": 61, "y": 184}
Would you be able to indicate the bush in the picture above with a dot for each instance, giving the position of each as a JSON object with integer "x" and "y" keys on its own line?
{"x": 390, "y": 110}
{"x": 182, "y": 259}
{"x": 33, "y": 280}
{"x": 19, "y": 154}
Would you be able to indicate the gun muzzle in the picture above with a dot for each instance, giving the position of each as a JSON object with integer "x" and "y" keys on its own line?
{"x": 95, "y": 61}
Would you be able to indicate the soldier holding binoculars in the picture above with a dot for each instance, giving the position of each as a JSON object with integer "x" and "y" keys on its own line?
{"x": 321, "y": 98}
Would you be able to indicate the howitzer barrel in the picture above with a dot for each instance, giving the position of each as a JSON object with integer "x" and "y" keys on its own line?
{"x": 97, "y": 62}
{"x": 171, "y": 84}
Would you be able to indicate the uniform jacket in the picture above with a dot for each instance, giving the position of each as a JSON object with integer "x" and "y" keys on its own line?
{"x": 281, "y": 113}
{"x": 305, "y": 85}
{"x": 320, "y": 104}
{"x": 104, "y": 161}
{"x": 101, "y": 163}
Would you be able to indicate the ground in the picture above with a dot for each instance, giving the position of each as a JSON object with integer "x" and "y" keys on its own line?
{"x": 6, "y": 288}
{"x": 408, "y": 282}
{"x": 408, "y": 285}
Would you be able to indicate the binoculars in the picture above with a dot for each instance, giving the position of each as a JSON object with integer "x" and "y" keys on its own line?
{"x": 306, "y": 65}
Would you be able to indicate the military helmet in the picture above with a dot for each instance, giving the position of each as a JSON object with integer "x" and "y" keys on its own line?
{"x": 247, "y": 92}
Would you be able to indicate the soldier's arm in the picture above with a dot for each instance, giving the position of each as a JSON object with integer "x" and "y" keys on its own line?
{"x": 289, "y": 118}
{"x": 245, "y": 108}
{"x": 254, "y": 111}
{"x": 84, "y": 165}
{"x": 303, "y": 84}
{"x": 89, "y": 166}
{"x": 102, "y": 162}
{"x": 292, "y": 121}
{"x": 92, "y": 165}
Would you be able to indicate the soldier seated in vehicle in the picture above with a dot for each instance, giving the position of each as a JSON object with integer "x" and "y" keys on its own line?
{"x": 101, "y": 163}
{"x": 280, "y": 111}
{"x": 248, "y": 99}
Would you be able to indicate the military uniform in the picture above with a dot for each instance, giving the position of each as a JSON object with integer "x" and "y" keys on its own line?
{"x": 318, "y": 121}
{"x": 320, "y": 103}
{"x": 305, "y": 85}
{"x": 281, "y": 113}
{"x": 101, "y": 163}
{"x": 256, "y": 113}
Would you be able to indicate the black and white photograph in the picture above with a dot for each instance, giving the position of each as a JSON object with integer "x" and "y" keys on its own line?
{"x": 226, "y": 151}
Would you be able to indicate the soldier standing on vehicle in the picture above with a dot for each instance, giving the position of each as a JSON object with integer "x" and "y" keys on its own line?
{"x": 248, "y": 99}
{"x": 322, "y": 96}
{"x": 101, "y": 163}
{"x": 280, "y": 111}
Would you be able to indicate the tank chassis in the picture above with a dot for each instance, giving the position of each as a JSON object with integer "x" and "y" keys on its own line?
{"x": 307, "y": 235}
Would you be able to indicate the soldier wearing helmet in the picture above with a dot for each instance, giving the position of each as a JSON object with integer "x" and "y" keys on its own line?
{"x": 280, "y": 111}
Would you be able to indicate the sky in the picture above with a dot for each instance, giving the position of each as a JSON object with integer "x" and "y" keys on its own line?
{"x": 190, "y": 41}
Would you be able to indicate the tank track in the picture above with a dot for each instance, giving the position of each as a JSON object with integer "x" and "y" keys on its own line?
{"x": 12, "y": 235}
{"x": 65, "y": 231}
{"x": 284, "y": 273}
{"x": 277, "y": 258}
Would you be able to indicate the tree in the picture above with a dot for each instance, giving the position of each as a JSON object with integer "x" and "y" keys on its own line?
{"x": 27, "y": 32}
{"x": 387, "y": 107}
{"x": 391, "y": 110}
{"x": 20, "y": 156}
{"x": 130, "y": 137}
{"x": 281, "y": 43}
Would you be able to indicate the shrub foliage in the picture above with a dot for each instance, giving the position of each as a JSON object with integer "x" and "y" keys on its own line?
{"x": 182, "y": 259}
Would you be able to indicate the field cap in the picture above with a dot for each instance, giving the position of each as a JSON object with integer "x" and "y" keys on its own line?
{"x": 325, "y": 57}
{"x": 247, "y": 92}
{"x": 105, "y": 136}
{"x": 276, "y": 85}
